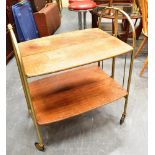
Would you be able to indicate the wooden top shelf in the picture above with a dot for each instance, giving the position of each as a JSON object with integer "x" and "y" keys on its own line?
{"x": 73, "y": 92}
{"x": 64, "y": 51}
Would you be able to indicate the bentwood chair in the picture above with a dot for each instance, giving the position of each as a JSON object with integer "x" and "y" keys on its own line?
{"x": 129, "y": 6}
{"x": 76, "y": 91}
{"x": 144, "y": 9}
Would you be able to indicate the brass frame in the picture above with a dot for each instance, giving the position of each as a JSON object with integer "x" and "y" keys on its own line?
{"x": 116, "y": 10}
{"x": 25, "y": 84}
{"x": 24, "y": 78}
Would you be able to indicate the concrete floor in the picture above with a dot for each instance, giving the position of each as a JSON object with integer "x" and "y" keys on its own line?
{"x": 94, "y": 133}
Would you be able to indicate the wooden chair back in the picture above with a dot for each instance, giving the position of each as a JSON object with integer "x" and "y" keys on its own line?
{"x": 144, "y": 9}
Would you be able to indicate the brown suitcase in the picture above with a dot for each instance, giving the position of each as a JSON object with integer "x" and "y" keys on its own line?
{"x": 47, "y": 19}
{"x": 37, "y": 5}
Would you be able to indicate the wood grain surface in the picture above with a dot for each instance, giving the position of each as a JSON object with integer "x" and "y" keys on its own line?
{"x": 72, "y": 49}
{"x": 73, "y": 92}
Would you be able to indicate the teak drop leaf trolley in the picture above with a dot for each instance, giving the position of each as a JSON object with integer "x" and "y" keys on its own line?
{"x": 76, "y": 91}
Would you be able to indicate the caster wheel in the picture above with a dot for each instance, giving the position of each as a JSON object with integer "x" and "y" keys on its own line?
{"x": 122, "y": 119}
{"x": 40, "y": 147}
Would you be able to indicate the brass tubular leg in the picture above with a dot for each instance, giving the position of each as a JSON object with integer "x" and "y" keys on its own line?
{"x": 113, "y": 67}
{"x": 29, "y": 103}
{"x": 27, "y": 94}
{"x": 115, "y": 34}
{"x": 80, "y": 20}
{"x": 23, "y": 85}
{"x": 144, "y": 66}
{"x": 128, "y": 88}
{"x": 124, "y": 113}
{"x": 40, "y": 144}
{"x": 141, "y": 46}
{"x": 124, "y": 71}
{"x": 132, "y": 53}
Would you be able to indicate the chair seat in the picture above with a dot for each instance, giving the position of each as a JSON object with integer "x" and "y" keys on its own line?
{"x": 71, "y": 1}
{"x": 82, "y": 5}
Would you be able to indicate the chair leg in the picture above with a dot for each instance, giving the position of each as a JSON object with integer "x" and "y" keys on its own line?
{"x": 141, "y": 46}
{"x": 124, "y": 113}
{"x": 113, "y": 68}
{"x": 80, "y": 20}
{"x": 39, "y": 145}
{"x": 144, "y": 66}
{"x": 99, "y": 64}
{"x": 128, "y": 89}
{"x": 84, "y": 19}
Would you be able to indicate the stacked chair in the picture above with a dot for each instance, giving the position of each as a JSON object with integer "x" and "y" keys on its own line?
{"x": 81, "y": 6}
{"x": 129, "y": 6}
{"x": 144, "y": 9}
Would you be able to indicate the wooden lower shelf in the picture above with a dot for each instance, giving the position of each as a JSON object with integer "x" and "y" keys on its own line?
{"x": 73, "y": 92}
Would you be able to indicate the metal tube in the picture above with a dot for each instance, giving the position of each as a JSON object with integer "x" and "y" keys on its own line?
{"x": 124, "y": 72}
{"x": 129, "y": 82}
{"x": 113, "y": 67}
{"x": 80, "y": 20}
{"x": 128, "y": 86}
{"x": 131, "y": 61}
{"x": 132, "y": 54}
{"x": 115, "y": 34}
{"x": 24, "y": 81}
{"x": 102, "y": 64}
{"x": 84, "y": 19}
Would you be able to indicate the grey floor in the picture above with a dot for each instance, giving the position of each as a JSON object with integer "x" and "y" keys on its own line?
{"x": 94, "y": 133}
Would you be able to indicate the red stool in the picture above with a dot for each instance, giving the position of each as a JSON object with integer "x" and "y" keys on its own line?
{"x": 82, "y": 7}
{"x": 71, "y": 1}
